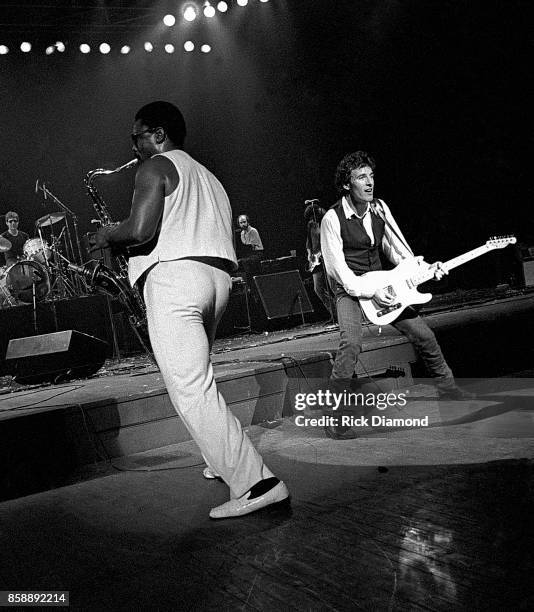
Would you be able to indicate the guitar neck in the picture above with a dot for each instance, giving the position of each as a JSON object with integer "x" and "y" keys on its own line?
{"x": 453, "y": 263}
{"x": 461, "y": 259}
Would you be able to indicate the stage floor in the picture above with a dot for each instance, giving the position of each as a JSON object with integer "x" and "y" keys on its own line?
{"x": 436, "y": 517}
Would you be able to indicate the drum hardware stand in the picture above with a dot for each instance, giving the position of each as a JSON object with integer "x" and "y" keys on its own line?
{"x": 116, "y": 350}
{"x": 34, "y": 300}
{"x": 73, "y": 256}
{"x": 44, "y": 246}
{"x": 60, "y": 279}
{"x": 66, "y": 287}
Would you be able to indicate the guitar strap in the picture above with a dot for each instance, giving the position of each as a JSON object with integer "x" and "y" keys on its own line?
{"x": 378, "y": 208}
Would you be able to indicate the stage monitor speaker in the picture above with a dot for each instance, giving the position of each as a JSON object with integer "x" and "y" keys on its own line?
{"x": 53, "y": 357}
{"x": 283, "y": 294}
{"x": 528, "y": 272}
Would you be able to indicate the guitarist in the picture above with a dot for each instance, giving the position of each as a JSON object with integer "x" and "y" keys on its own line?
{"x": 313, "y": 215}
{"x": 355, "y": 232}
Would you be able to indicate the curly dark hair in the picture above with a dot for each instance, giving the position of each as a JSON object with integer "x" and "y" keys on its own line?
{"x": 164, "y": 115}
{"x": 351, "y": 162}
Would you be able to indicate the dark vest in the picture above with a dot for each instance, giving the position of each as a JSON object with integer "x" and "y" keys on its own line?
{"x": 360, "y": 256}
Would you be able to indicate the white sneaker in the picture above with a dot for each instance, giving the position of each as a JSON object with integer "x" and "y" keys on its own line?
{"x": 208, "y": 473}
{"x": 252, "y": 500}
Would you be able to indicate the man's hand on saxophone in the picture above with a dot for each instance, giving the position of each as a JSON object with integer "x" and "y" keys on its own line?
{"x": 100, "y": 239}
{"x": 147, "y": 209}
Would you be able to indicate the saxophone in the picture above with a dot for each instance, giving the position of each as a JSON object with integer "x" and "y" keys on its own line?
{"x": 106, "y": 280}
{"x": 101, "y": 208}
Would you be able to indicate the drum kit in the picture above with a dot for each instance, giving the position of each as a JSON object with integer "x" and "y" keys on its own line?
{"x": 40, "y": 274}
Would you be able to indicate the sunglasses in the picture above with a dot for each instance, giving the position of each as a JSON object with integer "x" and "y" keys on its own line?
{"x": 135, "y": 136}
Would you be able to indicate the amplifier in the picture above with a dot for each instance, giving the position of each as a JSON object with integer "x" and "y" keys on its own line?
{"x": 280, "y": 264}
{"x": 528, "y": 272}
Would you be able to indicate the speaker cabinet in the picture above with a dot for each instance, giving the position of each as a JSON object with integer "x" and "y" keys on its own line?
{"x": 283, "y": 294}
{"x": 528, "y": 272}
{"x": 52, "y": 357}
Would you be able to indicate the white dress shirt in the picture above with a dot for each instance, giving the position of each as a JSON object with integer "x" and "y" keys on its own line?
{"x": 395, "y": 249}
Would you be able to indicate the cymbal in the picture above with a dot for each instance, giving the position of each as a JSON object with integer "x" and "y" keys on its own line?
{"x": 5, "y": 245}
{"x": 49, "y": 219}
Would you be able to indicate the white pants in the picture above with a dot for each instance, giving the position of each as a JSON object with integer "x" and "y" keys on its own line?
{"x": 185, "y": 300}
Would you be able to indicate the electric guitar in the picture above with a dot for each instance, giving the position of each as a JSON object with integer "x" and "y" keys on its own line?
{"x": 403, "y": 280}
{"x": 314, "y": 261}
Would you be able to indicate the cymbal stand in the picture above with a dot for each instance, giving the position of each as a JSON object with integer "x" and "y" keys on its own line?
{"x": 59, "y": 281}
{"x": 76, "y": 257}
{"x": 43, "y": 246}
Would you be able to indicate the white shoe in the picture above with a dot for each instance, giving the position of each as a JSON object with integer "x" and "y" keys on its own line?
{"x": 252, "y": 500}
{"x": 208, "y": 473}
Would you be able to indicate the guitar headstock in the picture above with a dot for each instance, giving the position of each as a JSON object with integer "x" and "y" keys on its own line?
{"x": 499, "y": 242}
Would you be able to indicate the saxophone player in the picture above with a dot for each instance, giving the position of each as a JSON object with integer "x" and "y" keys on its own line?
{"x": 182, "y": 210}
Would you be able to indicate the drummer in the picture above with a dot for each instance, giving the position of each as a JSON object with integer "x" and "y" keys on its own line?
{"x": 16, "y": 237}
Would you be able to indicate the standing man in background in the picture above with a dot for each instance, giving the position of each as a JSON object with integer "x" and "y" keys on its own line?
{"x": 313, "y": 215}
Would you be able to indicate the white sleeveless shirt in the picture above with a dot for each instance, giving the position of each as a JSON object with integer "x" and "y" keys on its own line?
{"x": 196, "y": 221}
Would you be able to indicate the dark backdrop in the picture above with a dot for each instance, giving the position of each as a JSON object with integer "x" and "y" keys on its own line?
{"x": 437, "y": 91}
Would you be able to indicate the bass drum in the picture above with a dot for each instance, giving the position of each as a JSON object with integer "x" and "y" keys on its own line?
{"x": 18, "y": 282}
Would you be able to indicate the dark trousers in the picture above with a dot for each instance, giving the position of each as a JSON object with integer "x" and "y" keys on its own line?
{"x": 409, "y": 323}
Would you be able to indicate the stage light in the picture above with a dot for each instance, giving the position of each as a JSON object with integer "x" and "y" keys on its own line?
{"x": 169, "y": 20}
{"x": 242, "y": 2}
{"x": 190, "y": 12}
{"x": 3, "y": 50}
{"x": 189, "y": 46}
{"x": 60, "y": 46}
{"x": 209, "y": 11}
{"x": 104, "y": 48}
{"x": 84, "y": 48}
{"x": 125, "y": 49}
{"x": 222, "y": 7}
{"x": 205, "y": 48}
{"x": 149, "y": 47}
{"x": 25, "y": 47}
{"x": 49, "y": 50}
{"x": 169, "y": 48}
